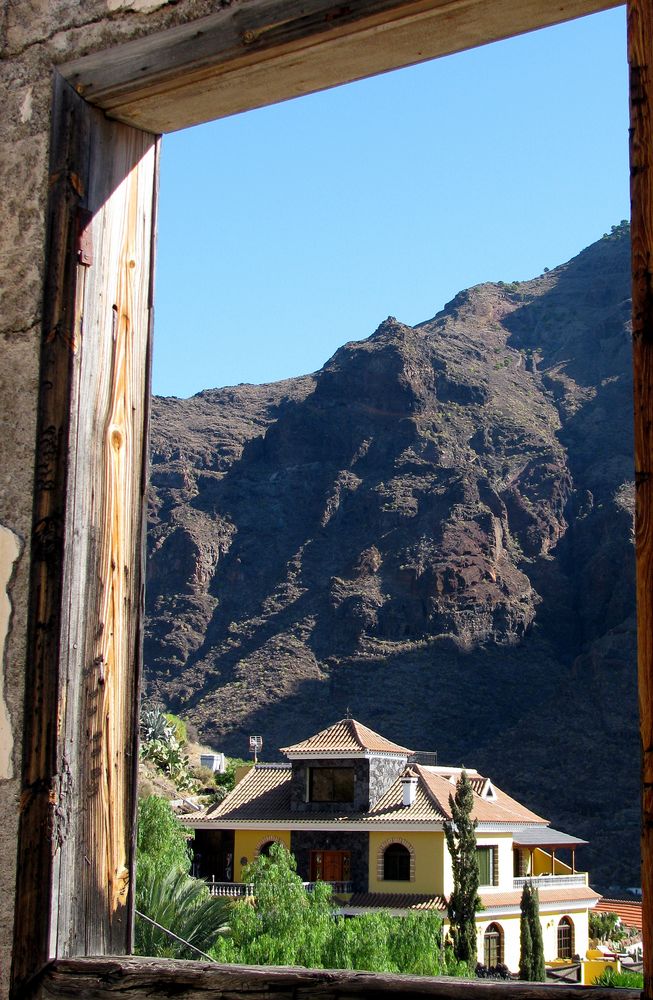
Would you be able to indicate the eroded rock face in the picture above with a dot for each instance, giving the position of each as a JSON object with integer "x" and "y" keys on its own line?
{"x": 435, "y": 530}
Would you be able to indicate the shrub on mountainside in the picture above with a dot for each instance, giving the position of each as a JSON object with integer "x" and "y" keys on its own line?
{"x": 160, "y": 744}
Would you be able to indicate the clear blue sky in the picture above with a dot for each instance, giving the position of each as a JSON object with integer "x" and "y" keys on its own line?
{"x": 287, "y": 231}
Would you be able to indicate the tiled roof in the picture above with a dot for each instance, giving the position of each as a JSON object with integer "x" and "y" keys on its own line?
{"x": 563, "y": 894}
{"x": 346, "y": 736}
{"x": 263, "y": 796}
{"x": 397, "y": 901}
{"x": 629, "y": 911}
{"x": 263, "y": 793}
{"x": 423, "y": 809}
{"x": 499, "y": 809}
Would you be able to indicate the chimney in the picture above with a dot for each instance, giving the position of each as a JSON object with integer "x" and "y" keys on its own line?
{"x": 409, "y": 786}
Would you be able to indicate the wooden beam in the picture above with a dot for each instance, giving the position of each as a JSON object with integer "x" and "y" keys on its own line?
{"x": 247, "y": 55}
{"x": 78, "y": 798}
{"x": 640, "y": 58}
{"x": 157, "y": 979}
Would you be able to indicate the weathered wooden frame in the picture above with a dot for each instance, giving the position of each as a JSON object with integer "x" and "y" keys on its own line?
{"x": 76, "y": 836}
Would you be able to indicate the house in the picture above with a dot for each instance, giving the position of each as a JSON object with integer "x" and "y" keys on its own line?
{"x": 366, "y": 814}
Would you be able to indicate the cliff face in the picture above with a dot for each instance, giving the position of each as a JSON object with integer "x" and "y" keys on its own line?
{"x": 434, "y": 531}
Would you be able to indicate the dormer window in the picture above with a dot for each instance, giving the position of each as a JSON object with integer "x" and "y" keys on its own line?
{"x": 331, "y": 784}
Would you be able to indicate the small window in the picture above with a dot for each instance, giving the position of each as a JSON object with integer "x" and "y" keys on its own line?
{"x": 565, "y": 938}
{"x": 264, "y": 849}
{"x": 488, "y": 868}
{"x": 331, "y": 784}
{"x": 396, "y": 863}
{"x": 493, "y": 946}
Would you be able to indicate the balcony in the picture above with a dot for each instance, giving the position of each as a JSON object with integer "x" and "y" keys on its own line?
{"x": 551, "y": 881}
{"x": 243, "y": 890}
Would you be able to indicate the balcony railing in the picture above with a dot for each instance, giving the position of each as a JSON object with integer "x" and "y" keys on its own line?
{"x": 241, "y": 890}
{"x": 238, "y": 890}
{"x": 551, "y": 881}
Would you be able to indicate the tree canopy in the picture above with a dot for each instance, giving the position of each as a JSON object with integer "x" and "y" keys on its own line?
{"x": 286, "y": 925}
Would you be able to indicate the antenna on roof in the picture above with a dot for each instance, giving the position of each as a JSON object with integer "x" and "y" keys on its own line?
{"x": 255, "y": 745}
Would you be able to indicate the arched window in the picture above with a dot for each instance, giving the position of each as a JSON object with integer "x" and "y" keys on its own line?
{"x": 396, "y": 863}
{"x": 264, "y": 846}
{"x": 493, "y": 946}
{"x": 565, "y": 938}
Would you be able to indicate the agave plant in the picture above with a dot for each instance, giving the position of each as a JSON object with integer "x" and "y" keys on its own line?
{"x": 184, "y": 906}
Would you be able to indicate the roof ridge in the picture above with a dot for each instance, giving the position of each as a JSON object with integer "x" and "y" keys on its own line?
{"x": 429, "y": 791}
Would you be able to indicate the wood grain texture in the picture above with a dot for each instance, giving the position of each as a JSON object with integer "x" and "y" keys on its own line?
{"x": 640, "y": 57}
{"x": 79, "y": 786}
{"x": 156, "y": 979}
{"x": 251, "y": 54}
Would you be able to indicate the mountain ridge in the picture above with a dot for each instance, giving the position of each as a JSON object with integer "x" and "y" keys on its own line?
{"x": 408, "y": 533}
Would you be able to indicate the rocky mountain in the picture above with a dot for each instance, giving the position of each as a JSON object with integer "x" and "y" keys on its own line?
{"x": 434, "y": 531}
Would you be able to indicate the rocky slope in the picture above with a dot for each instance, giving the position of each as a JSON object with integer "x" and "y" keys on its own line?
{"x": 434, "y": 531}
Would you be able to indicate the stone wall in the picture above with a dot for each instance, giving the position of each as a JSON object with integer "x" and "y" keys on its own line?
{"x": 35, "y": 37}
{"x": 361, "y": 801}
{"x": 383, "y": 771}
{"x": 302, "y": 842}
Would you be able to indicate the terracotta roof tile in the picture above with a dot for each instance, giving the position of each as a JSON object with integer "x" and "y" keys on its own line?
{"x": 390, "y": 806}
{"x": 346, "y": 736}
{"x": 563, "y": 894}
{"x": 499, "y": 809}
{"x": 263, "y": 796}
{"x": 397, "y": 901}
{"x": 629, "y": 911}
{"x": 263, "y": 793}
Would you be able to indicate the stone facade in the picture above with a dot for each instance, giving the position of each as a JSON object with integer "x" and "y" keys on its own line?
{"x": 372, "y": 777}
{"x": 383, "y": 771}
{"x": 302, "y": 842}
{"x": 361, "y": 801}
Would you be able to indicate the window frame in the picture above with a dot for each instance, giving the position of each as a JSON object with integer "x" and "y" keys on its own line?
{"x": 405, "y": 857}
{"x": 335, "y": 773}
{"x": 497, "y": 935}
{"x": 302, "y": 51}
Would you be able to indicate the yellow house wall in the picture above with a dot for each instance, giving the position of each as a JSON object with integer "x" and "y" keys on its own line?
{"x": 502, "y": 841}
{"x": 429, "y": 861}
{"x": 549, "y": 923}
{"x": 542, "y": 864}
{"x": 247, "y": 844}
{"x": 595, "y": 967}
{"x": 510, "y": 928}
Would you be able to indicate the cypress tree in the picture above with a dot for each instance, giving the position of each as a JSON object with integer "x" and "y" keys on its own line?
{"x": 525, "y": 940}
{"x": 531, "y": 951}
{"x": 539, "y": 970}
{"x": 464, "y": 901}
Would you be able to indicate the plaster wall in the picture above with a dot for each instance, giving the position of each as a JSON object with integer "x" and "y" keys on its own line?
{"x": 248, "y": 843}
{"x": 35, "y": 37}
{"x": 429, "y": 850}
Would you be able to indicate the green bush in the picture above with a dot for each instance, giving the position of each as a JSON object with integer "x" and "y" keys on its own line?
{"x": 286, "y": 925}
{"x": 626, "y": 980}
{"x": 179, "y": 728}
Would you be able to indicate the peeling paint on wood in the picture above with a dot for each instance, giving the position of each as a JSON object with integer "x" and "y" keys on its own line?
{"x": 78, "y": 802}
{"x": 10, "y": 549}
